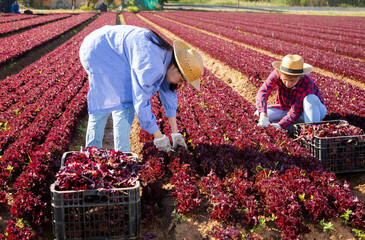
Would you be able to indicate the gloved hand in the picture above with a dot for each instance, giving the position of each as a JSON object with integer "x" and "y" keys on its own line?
{"x": 275, "y": 125}
{"x": 178, "y": 140}
{"x": 163, "y": 143}
{"x": 264, "y": 121}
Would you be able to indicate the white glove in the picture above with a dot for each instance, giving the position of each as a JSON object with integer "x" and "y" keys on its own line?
{"x": 275, "y": 125}
{"x": 178, "y": 140}
{"x": 163, "y": 143}
{"x": 263, "y": 122}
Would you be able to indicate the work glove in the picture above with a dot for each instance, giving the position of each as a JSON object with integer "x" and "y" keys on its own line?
{"x": 163, "y": 143}
{"x": 275, "y": 125}
{"x": 263, "y": 121}
{"x": 178, "y": 140}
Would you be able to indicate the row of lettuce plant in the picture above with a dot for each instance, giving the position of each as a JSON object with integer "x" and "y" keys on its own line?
{"x": 13, "y": 83}
{"x": 42, "y": 144}
{"x": 349, "y": 48}
{"x": 19, "y": 44}
{"x": 32, "y": 125}
{"x": 21, "y": 106}
{"x": 15, "y": 17}
{"x": 214, "y": 152}
{"x": 343, "y": 100}
{"x": 340, "y": 26}
{"x": 9, "y": 27}
{"x": 254, "y": 25}
{"x": 26, "y": 93}
{"x": 329, "y": 57}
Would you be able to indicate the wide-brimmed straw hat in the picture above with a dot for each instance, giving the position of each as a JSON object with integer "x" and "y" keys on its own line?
{"x": 190, "y": 63}
{"x": 293, "y": 65}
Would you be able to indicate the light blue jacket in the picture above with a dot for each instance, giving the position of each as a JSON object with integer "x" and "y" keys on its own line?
{"x": 126, "y": 69}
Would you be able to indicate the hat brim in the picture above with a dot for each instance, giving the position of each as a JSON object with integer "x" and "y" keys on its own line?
{"x": 196, "y": 84}
{"x": 181, "y": 46}
{"x": 306, "y": 68}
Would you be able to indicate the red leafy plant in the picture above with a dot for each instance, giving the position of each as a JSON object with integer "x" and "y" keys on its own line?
{"x": 3, "y": 199}
{"x": 224, "y": 204}
{"x": 315, "y": 201}
{"x": 220, "y": 233}
{"x": 151, "y": 174}
{"x": 341, "y": 197}
{"x": 308, "y": 131}
{"x": 243, "y": 190}
{"x": 93, "y": 168}
{"x": 18, "y": 230}
{"x": 280, "y": 201}
{"x": 185, "y": 190}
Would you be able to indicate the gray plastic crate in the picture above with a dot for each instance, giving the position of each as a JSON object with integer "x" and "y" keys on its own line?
{"x": 96, "y": 214}
{"x": 339, "y": 154}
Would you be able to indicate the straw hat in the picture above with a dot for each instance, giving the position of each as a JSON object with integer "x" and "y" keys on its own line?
{"x": 190, "y": 63}
{"x": 293, "y": 65}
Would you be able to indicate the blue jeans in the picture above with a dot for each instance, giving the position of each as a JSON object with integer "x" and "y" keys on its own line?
{"x": 314, "y": 111}
{"x": 122, "y": 125}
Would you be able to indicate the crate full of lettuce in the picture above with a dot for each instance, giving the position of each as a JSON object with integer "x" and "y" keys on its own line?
{"x": 96, "y": 195}
{"x": 337, "y": 144}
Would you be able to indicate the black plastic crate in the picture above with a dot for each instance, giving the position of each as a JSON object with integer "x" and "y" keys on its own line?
{"x": 96, "y": 214}
{"x": 339, "y": 154}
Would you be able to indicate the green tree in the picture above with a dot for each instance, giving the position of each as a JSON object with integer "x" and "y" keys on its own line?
{"x": 91, "y": 3}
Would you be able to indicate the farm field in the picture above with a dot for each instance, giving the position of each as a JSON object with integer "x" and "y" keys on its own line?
{"x": 235, "y": 179}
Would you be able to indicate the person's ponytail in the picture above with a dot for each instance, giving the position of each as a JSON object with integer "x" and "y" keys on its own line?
{"x": 159, "y": 41}
{"x": 162, "y": 43}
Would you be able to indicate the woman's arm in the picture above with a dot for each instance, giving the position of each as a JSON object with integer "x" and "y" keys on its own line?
{"x": 147, "y": 73}
{"x": 265, "y": 91}
{"x": 173, "y": 125}
{"x": 157, "y": 134}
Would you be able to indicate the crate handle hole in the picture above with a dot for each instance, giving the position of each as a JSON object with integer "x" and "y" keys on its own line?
{"x": 96, "y": 199}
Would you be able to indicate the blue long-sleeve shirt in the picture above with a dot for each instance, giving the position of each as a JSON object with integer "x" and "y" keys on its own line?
{"x": 15, "y": 8}
{"x": 126, "y": 69}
